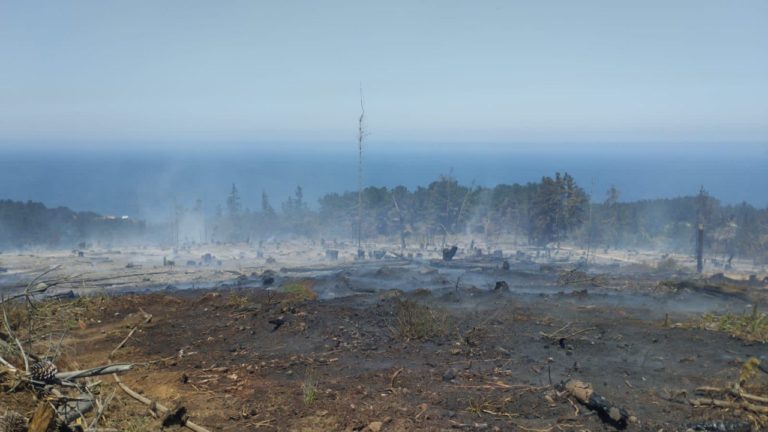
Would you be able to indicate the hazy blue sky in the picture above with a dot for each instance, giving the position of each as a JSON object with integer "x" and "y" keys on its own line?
{"x": 174, "y": 72}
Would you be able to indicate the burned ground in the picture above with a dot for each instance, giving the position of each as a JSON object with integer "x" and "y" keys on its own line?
{"x": 397, "y": 346}
{"x": 343, "y": 364}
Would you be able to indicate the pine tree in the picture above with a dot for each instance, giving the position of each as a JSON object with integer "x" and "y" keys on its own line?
{"x": 233, "y": 202}
{"x": 266, "y": 206}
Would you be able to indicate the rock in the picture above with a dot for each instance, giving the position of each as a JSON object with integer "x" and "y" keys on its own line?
{"x": 375, "y": 426}
{"x": 277, "y": 323}
{"x": 449, "y": 375}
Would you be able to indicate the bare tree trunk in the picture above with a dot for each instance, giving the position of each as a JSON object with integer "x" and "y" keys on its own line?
{"x": 700, "y": 248}
{"x": 360, "y": 136}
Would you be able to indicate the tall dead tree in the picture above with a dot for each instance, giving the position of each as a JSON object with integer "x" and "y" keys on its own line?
{"x": 703, "y": 215}
{"x": 360, "y": 137}
{"x": 700, "y": 248}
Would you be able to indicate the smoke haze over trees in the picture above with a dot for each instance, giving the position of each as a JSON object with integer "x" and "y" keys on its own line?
{"x": 545, "y": 213}
{"x": 33, "y": 224}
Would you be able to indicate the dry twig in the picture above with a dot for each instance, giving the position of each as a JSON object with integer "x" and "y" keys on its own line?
{"x": 147, "y": 319}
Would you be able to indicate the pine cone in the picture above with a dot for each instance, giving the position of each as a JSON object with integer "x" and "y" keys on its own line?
{"x": 44, "y": 371}
{"x": 13, "y": 422}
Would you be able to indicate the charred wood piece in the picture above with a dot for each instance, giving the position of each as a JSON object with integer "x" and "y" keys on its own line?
{"x": 720, "y": 426}
{"x": 610, "y": 414}
{"x": 449, "y": 253}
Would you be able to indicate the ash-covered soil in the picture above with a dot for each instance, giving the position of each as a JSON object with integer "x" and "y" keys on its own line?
{"x": 248, "y": 358}
{"x": 406, "y": 344}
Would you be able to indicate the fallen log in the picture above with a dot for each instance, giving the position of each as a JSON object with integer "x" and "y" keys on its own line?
{"x": 704, "y": 287}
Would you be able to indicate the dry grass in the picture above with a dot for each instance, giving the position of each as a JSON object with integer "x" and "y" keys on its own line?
{"x": 138, "y": 424}
{"x": 42, "y": 326}
{"x": 300, "y": 291}
{"x": 751, "y": 326}
{"x": 309, "y": 387}
{"x": 238, "y": 301}
{"x": 484, "y": 405}
{"x": 414, "y": 321}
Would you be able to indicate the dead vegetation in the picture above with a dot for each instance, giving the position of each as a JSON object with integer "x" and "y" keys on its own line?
{"x": 33, "y": 351}
{"x": 746, "y": 396}
{"x": 750, "y": 326}
{"x": 300, "y": 291}
{"x": 415, "y": 321}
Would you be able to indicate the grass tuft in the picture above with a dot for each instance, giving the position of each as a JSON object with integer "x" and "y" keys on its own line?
{"x": 300, "y": 291}
{"x": 309, "y": 387}
{"x": 415, "y": 321}
{"x": 751, "y": 326}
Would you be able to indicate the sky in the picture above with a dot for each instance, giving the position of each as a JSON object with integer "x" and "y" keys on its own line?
{"x": 180, "y": 74}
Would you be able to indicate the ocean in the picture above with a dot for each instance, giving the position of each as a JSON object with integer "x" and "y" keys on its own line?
{"x": 146, "y": 184}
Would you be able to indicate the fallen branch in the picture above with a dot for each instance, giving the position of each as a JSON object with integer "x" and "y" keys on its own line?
{"x": 100, "y": 370}
{"x": 744, "y": 405}
{"x": 75, "y": 408}
{"x": 144, "y": 400}
{"x": 734, "y": 390}
{"x": 147, "y": 319}
{"x": 73, "y": 279}
{"x": 15, "y": 339}
{"x": 578, "y": 332}
{"x": 721, "y": 426}
{"x": 555, "y": 333}
{"x": 100, "y": 413}
{"x": 40, "y": 276}
{"x": 394, "y": 378}
{"x": 39, "y": 288}
{"x": 149, "y": 402}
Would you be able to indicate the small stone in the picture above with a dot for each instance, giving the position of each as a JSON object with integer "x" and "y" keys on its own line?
{"x": 449, "y": 375}
{"x": 614, "y": 414}
{"x": 375, "y": 426}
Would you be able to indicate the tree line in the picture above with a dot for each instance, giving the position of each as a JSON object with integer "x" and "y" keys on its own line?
{"x": 544, "y": 213}
{"x": 24, "y": 224}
